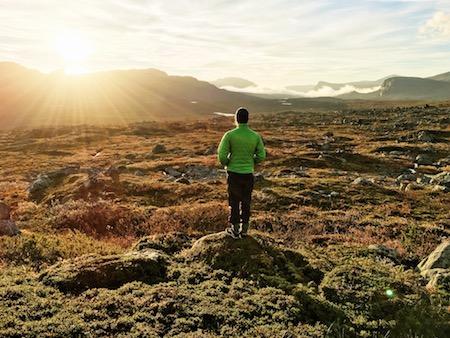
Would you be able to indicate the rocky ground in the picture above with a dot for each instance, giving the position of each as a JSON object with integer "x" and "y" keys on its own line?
{"x": 103, "y": 229}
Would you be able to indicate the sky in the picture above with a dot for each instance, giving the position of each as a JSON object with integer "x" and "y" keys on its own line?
{"x": 272, "y": 42}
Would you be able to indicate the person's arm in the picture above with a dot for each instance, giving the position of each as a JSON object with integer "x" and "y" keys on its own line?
{"x": 260, "y": 152}
{"x": 224, "y": 150}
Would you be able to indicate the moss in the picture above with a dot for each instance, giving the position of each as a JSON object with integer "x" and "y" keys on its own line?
{"x": 255, "y": 257}
{"x": 94, "y": 271}
{"x": 38, "y": 249}
{"x": 381, "y": 297}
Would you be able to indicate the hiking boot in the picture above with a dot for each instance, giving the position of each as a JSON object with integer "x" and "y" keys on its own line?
{"x": 232, "y": 233}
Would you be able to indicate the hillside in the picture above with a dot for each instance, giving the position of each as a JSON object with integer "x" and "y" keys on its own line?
{"x": 32, "y": 98}
{"x": 121, "y": 229}
{"x": 441, "y": 77}
{"x": 400, "y": 88}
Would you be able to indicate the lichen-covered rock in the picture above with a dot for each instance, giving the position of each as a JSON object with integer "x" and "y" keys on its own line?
{"x": 257, "y": 257}
{"x": 169, "y": 243}
{"x": 438, "y": 259}
{"x": 112, "y": 271}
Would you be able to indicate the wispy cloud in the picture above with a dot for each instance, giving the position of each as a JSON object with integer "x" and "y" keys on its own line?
{"x": 438, "y": 26}
{"x": 320, "y": 92}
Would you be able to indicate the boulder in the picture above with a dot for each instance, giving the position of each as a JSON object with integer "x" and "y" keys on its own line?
{"x": 159, "y": 149}
{"x": 438, "y": 259}
{"x": 424, "y": 159}
{"x": 38, "y": 186}
{"x": 252, "y": 256}
{"x": 172, "y": 172}
{"x": 46, "y": 180}
{"x": 201, "y": 172}
{"x": 8, "y": 228}
{"x": 363, "y": 181}
{"x": 112, "y": 271}
{"x": 5, "y": 211}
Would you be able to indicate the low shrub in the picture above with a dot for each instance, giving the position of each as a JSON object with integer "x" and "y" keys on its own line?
{"x": 42, "y": 249}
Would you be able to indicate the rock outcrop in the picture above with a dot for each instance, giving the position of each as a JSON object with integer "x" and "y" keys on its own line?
{"x": 436, "y": 267}
{"x": 93, "y": 271}
{"x": 256, "y": 257}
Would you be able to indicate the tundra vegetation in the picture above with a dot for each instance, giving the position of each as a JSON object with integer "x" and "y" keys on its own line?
{"x": 120, "y": 229}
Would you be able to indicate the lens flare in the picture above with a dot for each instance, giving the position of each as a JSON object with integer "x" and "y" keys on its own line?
{"x": 390, "y": 293}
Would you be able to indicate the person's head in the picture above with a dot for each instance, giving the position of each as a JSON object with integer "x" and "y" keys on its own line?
{"x": 241, "y": 115}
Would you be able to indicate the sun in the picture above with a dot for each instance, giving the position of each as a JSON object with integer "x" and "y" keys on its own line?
{"x": 74, "y": 49}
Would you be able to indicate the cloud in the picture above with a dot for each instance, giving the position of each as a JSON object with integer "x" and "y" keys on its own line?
{"x": 274, "y": 42}
{"x": 438, "y": 26}
{"x": 321, "y": 92}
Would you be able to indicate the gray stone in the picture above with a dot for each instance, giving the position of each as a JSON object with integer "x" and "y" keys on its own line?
{"x": 159, "y": 149}
{"x": 172, "y": 172}
{"x": 439, "y": 258}
{"x": 424, "y": 159}
{"x": 363, "y": 181}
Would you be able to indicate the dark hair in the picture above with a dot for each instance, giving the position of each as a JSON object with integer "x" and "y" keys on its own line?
{"x": 241, "y": 115}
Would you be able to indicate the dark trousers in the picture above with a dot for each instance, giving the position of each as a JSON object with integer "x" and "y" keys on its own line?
{"x": 240, "y": 187}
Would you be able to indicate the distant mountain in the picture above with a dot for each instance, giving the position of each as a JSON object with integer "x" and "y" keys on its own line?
{"x": 407, "y": 88}
{"x": 31, "y": 98}
{"x": 235, "y": 82}
{"x": 441, "y": 77}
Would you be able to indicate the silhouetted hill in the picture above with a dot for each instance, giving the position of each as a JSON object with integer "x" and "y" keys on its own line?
{"x": 29, "y": 97}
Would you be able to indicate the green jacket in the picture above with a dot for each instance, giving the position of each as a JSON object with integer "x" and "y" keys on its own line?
{"x": 240, "y": 149}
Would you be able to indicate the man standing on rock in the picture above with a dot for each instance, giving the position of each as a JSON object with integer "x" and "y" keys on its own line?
{"x": 239, "y": 150}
